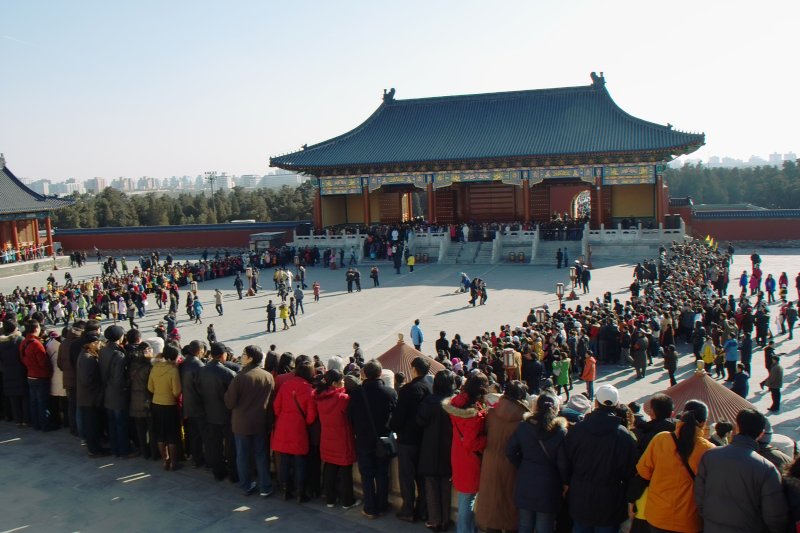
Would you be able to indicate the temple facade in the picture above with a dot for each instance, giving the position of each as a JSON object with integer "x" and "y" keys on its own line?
{"x": 23, "y": 213}
{"x": 519, "y": 156}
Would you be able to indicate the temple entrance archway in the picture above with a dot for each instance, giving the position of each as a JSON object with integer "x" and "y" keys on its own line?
{"x": 581, "y": 205}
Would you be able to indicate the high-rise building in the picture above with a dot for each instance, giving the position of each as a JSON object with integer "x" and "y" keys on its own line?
{"x": 95, "y": 185}
{"x": 790, "y": 156}
{"x": 775, "y": 159}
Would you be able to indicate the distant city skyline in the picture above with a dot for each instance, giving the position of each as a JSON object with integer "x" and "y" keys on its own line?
{"x": 152, "y": 88}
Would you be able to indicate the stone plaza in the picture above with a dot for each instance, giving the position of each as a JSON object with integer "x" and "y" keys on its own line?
{"x": 52, "y": 486}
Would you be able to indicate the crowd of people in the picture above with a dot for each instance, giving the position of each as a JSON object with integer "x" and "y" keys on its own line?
{"x": 501, "y": 425}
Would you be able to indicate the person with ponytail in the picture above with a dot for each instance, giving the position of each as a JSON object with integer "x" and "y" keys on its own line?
{"x": 670, "y": 463}
{"x": 337, "y": 442}
{"x": 536, "y": 449}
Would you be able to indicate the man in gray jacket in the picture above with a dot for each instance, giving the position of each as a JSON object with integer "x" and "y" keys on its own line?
{"x": 738, "y": 490}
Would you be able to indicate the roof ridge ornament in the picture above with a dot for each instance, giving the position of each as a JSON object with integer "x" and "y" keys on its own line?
{"x": 2, "y": 161}
{"x": 388, "y": 97}
{"x": 598, "y": 82}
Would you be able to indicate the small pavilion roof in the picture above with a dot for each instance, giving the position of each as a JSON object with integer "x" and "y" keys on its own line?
{"x": 16, "y": 197}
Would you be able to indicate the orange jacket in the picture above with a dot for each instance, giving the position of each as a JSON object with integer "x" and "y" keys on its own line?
{"x": 670, "y": 496}
{"x": 589, "y": 369}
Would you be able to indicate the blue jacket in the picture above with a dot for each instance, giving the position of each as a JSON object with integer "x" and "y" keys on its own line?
{"x": 416, "y": 335}
{"x": 741, "y": 385}
{"x": 731, "y": 350}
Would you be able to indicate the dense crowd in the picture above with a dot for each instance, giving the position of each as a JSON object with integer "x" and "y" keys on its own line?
{"x": 501, "y": 424}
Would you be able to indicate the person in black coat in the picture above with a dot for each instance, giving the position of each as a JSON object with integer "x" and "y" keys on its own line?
{"x": 212, "y": 382}
{"x": 89, "y": 392}
{"x": 434, "y": 456}
{"x": 15, "y": 375}
{"x": 370, "y": 411}
{"x": 193, "y": 415}
{"x": 662, "y": 408}
{"x": 537, "y": 449}
{"x": 602, "y": 459}
{"x": 409, "y": 438}
{"x": 532, "y": 370}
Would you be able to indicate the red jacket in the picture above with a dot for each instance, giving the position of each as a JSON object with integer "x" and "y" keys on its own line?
{"x": 35, "y": 358}
{"x": 469, "y": 440}
{"x": 337, "y": 443}
{"x": 295, "y": 410}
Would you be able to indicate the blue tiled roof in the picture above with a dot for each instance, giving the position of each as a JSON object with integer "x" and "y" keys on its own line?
{"x": 255, "y": 227}
{"x": 16, "y": 197}
{"x": 537, "y": 123}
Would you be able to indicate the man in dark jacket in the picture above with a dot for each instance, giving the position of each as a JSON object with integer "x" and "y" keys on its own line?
{"x": 532, "y": 370}
{"x": 602, "y": 459}
{"x": 15, "y": 381}
{"x": 737, "y": 490}
{"x": 64, "y": 363}
{"x": 212, "y": 381}
{"x": 409, "y": 438}
{"x": 248, "y": 399}
{"x": 662, "y": 407}
{"x": 114, "y": 375}
{"x": 193, "y": 415}
{"x": 370, "y": 411}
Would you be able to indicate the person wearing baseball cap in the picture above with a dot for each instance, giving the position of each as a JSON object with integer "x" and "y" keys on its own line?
{"x": 603, "y": 456}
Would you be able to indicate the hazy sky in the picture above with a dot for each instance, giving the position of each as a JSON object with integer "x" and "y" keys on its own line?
{"x": 113, "y": 88}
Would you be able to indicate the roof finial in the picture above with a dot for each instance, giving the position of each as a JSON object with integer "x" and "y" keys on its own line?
{"x": 598, "y": 81}
{"x": 2, "y": 161}
{"x": 388, "y": 97}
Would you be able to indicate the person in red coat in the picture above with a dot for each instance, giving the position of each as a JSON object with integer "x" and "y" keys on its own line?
{"x": 468, "y": 417}
{"x": 337, "y": 444}
{"x": 40, "y": 370}
{"x": 295, "y": 410}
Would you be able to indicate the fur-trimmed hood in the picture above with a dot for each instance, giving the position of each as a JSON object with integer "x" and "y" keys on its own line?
{"x": 10, "y": 338}
{"x": 558, "y": 421}
{"x": 455, "y": 406}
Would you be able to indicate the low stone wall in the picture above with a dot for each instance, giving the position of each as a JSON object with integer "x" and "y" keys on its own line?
{"x": 39, "y": 265}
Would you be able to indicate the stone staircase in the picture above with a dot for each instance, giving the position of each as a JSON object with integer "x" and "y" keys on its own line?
{"x": 483, "y": 256}
{"x": 464, "y": 253}
{"x": 546, "y": 252}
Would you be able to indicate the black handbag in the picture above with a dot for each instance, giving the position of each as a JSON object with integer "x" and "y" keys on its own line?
{"x": 385, "y": 447}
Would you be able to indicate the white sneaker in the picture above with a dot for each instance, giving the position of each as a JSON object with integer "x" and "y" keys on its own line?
{"x": 354, "y": 504}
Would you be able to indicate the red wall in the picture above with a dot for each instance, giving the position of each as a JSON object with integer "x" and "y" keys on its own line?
{"x": 747, "y": 229}
{"x": 561, "y": 197}
{"x": 233, "y": 238}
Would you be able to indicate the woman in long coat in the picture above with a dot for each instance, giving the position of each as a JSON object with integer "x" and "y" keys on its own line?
{"x": 495, "y": 507}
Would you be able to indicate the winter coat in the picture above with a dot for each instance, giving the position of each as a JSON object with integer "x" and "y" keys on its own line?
{"x": 115, "y": 377}
{"x": 141, "y": 398}
{"x": 248, "y": 398}
{"x": 57, "y": 381}
{"x": 437, "y": 438}
{"x": 164, "y": 383}
{"x": 337, "y": 442}
{"x": 89, "y": 382}
{"x": 562, "y": 367}
{"x": 35, "y": 358}
{"x": 469, "y": 441}
{"x": 211, "y": 382}
{"x": 495, "y": 508}
{"x": 382, "y": 403}
{"x": 15, "y": 377}
{"x": 737, "y": 490}
{"x": 791, "y": 488}
{"x": 295, "y": 410}
{"x": 404, "y": 417}
{"x": 741, "y": 385}
{"x": 589, "y": 369}
{"x": 602, "y": 457}
{"x": 775, "y": 378}
{"x": 670, "y": 495}
{"x": 645, "y": 432}
{"x": 192, "y": 403}
{"x": 63, "y": 362}
{"x": 542, "y": 469}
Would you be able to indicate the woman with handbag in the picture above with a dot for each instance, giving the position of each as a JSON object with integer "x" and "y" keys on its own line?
{"x": 468, "y": 417}
{"x": 337, "y": 442}
{"x": 536, "y": 449}
{"x": 295, "y": 410}
{"x": 669, "y": 465}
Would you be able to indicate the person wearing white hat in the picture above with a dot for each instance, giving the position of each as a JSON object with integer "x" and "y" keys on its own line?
{"x": 603, "y": 455}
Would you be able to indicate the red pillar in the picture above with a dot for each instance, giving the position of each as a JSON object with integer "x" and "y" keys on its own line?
{"x": 526, "y": 200}
{"x": 317, "y": 209}
{"x": 431, "y": 204}
{"x": 365, "y": 197}
{"x": 49, "y": 237}
{"x": 597, "y": 193}
{"x": 15, "y": 239}
{"x": 660, "y": 218}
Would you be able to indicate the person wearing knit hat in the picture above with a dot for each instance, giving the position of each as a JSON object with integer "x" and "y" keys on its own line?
{"x": 114, "y": 333}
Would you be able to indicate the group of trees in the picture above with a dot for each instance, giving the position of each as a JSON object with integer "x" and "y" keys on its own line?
{"x": 115, "y": 208}
{"x": 767, "y": 186}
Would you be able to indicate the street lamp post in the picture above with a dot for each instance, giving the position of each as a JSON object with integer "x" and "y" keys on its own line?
{"x": 560, "y": 293}
{"x": 211, "y": 177}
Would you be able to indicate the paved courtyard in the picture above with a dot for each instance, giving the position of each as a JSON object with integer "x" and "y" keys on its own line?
{"x": 56, "y": 489}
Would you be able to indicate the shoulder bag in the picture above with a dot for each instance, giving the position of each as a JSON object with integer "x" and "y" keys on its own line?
{"x": 385, "y": 447}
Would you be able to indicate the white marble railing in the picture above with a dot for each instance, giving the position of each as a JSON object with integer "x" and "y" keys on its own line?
{"x": 634, "y": 235}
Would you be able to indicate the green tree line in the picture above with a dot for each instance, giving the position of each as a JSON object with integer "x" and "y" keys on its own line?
{"x": 115, "y": 208}
{"x": 767, "y": 186}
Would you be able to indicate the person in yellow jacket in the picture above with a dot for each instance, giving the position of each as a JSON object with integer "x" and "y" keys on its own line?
{"x": 411, "y": 261}
{"x": 708, "y": 353}
{"x": 670, "y": 463}
{"x": 164, "y": 383}
{"x": 283, "y": 312}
